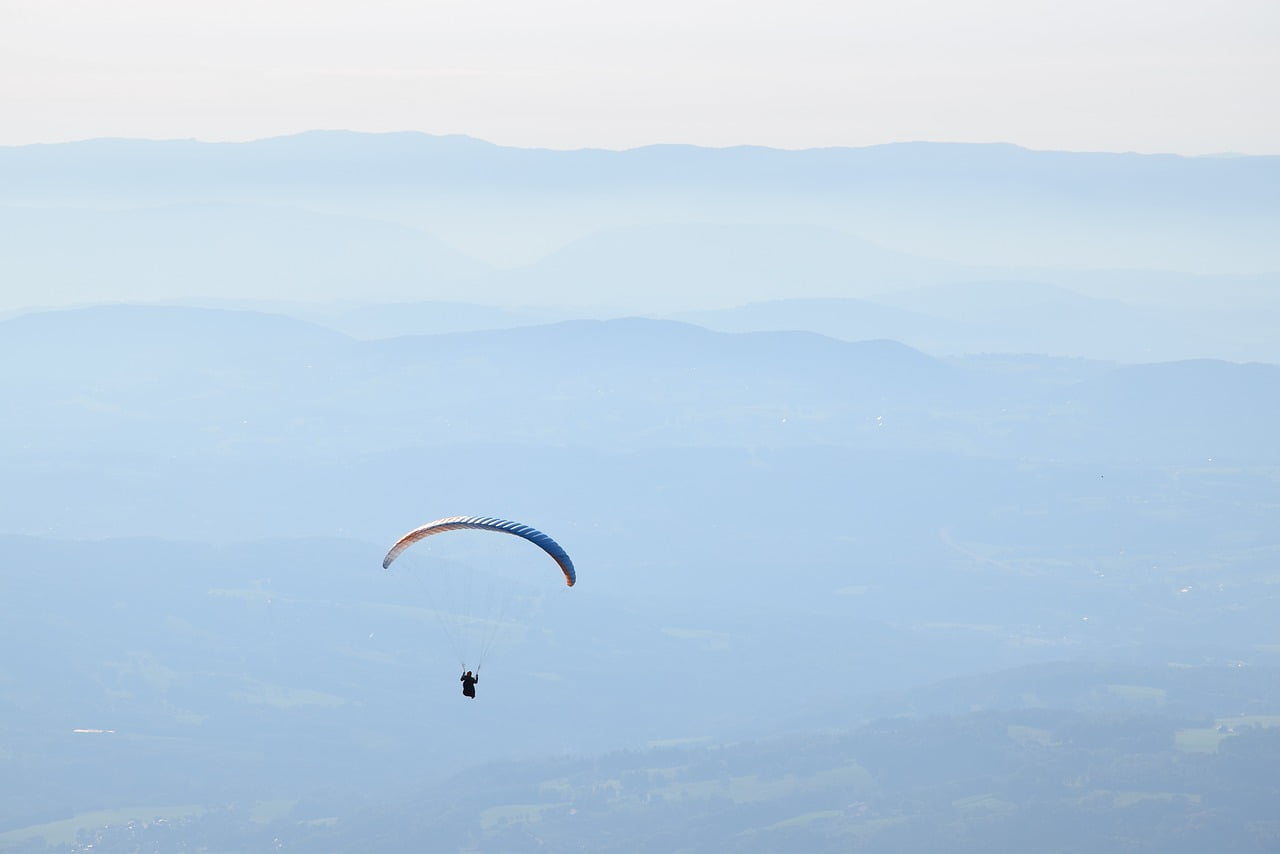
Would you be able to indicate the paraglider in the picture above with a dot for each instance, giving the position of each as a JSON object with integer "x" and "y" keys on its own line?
{"x": 476, "y": 604}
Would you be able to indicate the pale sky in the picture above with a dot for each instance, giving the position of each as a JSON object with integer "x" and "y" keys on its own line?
{"x": 1182, "y": 76}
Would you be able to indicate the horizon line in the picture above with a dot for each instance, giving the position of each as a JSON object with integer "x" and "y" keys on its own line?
{"x": 637, "y": 148}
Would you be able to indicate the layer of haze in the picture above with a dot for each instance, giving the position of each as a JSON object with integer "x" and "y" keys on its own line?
{"x": 922, "y": 495}
{"x": 1187, "y": 76}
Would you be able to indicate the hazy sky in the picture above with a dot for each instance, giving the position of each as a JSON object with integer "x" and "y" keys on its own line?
{"x": 1187, "y": 76}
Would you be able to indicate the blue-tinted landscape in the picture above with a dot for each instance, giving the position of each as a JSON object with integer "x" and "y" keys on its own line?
{"x": 922, "y": 496}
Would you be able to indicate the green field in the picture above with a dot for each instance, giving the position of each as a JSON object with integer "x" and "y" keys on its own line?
{"x": 64, "y": 832}
{"x": 1207, "y": 739}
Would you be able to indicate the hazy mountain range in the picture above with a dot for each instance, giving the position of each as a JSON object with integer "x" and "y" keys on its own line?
{"x": 986, "y": 204}
{"x": 919, "y": 495}
{"x": 979, "y": 248}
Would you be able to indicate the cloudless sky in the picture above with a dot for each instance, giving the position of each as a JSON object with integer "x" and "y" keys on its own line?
{"x": 1183, "y": 76}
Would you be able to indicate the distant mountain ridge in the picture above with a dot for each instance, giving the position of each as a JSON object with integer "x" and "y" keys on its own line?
{"x": 241, "y": 379}
{"x": 392, "y": 159}
{"x": 969, "y": 203}
{"x": 1021, "y": 317}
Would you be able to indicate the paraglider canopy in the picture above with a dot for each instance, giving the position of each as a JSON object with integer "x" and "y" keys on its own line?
{"x": 486, "y": 523}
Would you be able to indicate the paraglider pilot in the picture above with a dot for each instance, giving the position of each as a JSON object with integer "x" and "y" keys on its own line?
{"x": 469, "y": 684}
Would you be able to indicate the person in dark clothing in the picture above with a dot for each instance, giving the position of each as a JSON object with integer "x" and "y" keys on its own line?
{"x": 469, "y": 681}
